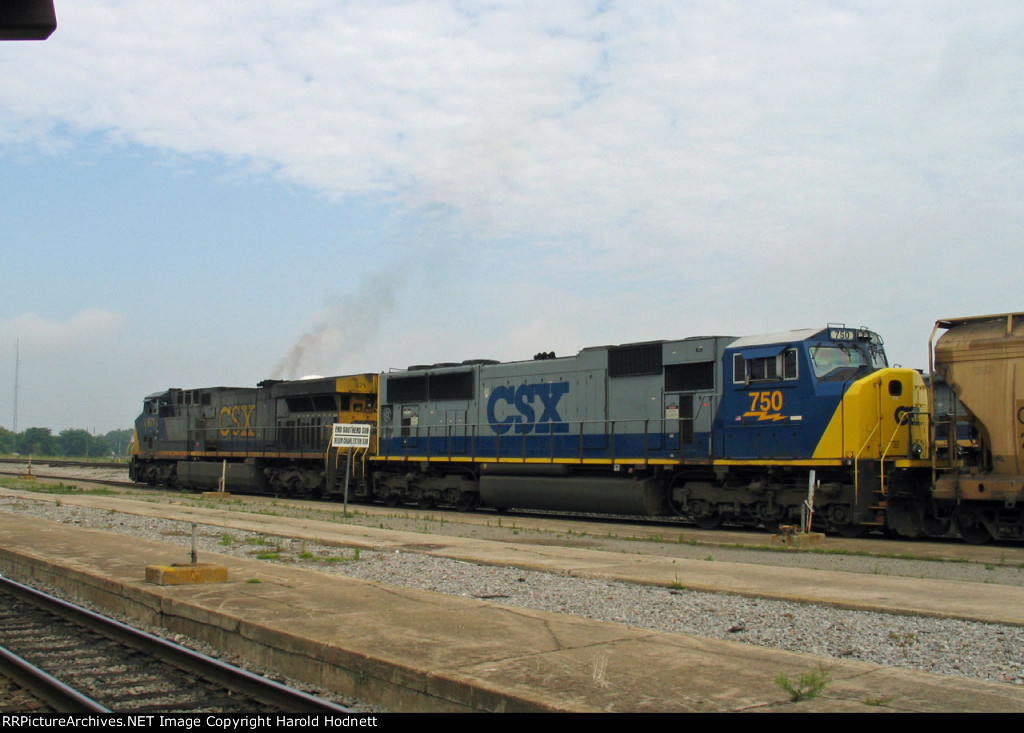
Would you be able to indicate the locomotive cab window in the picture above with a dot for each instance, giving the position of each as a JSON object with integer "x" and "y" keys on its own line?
{"x": 776, "y": 368}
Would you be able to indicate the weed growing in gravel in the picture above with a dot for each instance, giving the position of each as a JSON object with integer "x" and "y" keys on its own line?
{"x": 254, "y": 580}
{"x": 268, "y": 555}
{"x": 809, "y": 686}
{"x": 876, "y": 702}
{"x": 227, "y": 539}
{"x": 903, "y": 640}
{"x": 342, "y": 558}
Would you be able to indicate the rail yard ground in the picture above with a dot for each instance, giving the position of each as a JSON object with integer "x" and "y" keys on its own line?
{"x": 835, "y": 624}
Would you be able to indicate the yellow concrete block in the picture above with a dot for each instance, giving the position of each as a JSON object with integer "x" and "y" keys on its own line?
{"x": 185, "y": 574}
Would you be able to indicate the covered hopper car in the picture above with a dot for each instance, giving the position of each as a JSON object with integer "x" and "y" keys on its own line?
{"x": 716, "y": 429}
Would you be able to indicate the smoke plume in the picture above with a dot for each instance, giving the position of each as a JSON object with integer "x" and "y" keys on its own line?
{"x": 339, "y": 331}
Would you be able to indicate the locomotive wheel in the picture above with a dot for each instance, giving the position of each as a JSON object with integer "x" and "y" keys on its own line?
{"x": 466, "y": 503}
{"x": 771, "y": 526}
{"x": 709, "y": 521}
{"x": 851, "y": 530}
{"x": 391, "y": 499}
{"x": 425, "y": 502}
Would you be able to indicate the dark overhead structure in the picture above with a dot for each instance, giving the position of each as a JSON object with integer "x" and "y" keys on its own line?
{"x": 27, "y": 20}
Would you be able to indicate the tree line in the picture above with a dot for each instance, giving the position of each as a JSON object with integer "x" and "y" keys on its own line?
{"x": 70, "y": 443}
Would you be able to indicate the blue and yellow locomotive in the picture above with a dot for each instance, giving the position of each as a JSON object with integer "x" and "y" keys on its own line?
{"x": 718, "y": 429}
{"x": 714, "y": 428}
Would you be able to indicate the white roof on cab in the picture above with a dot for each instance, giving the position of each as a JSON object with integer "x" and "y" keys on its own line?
{"x": 781, "y": 337}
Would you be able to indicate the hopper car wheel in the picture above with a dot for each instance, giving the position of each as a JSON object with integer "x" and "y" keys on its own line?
{"x": 972, "y": 530}
{"x": 975, "y": 535}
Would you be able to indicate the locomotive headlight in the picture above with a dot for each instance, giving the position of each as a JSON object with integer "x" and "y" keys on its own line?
{"x": 916, "y": 450}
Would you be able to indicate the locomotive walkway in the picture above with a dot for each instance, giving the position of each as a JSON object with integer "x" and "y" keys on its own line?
{"x": 416, "y": 650}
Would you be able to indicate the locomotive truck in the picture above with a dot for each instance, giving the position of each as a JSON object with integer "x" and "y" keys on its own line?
{"x": 715, "y": 429}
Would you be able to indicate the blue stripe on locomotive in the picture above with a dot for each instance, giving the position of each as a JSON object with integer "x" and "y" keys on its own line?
{"x": 558, "y": 448}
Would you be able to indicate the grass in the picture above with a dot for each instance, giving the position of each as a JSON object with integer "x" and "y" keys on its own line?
{"x": 342, "y": 558}
{"x": 809, "y": 685}
{"x": 35, "y": 486}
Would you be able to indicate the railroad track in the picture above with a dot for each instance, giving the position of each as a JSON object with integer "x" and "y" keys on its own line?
{"x": 65, "y": 463}
{"x": 80, "y": 662}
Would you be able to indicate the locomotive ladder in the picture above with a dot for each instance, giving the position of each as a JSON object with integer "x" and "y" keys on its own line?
{"x": 881, "y": 492}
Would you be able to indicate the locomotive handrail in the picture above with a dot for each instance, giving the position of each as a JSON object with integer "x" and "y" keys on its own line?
{"x": 904, "y": 418}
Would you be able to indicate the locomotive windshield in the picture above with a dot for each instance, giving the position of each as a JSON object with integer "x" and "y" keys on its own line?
{"x": 835, "y": 362}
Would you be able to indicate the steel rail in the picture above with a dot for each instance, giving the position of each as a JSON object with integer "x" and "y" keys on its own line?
{"x": 201, "y": 665}
{"x": 46, "y": 687}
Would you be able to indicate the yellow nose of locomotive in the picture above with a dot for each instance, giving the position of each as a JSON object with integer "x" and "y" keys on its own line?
{"x": 882, "y": 416}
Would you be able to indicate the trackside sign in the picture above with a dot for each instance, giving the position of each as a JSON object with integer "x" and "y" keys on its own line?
{"x": 350, "y": 436}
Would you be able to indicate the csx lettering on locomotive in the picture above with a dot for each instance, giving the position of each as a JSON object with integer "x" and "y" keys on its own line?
{"x": 236, "y": 420}
{"x": 522, "y": 399}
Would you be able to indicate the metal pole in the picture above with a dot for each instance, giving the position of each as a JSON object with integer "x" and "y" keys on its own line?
{"x": 17, "y": 366}
{"x": 807, "y": 510}
{"x": 348, "y": 473}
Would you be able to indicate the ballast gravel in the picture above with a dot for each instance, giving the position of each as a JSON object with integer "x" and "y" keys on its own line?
{"x": 944, "y": 646}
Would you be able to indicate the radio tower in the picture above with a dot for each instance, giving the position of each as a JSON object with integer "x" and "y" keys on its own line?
{"x": 17, "y": 366}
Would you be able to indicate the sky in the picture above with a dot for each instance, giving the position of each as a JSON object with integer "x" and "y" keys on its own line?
{"x": 201, "y": 194}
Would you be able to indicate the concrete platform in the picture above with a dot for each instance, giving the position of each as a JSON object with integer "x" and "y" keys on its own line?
{"x": 420, "y": 651}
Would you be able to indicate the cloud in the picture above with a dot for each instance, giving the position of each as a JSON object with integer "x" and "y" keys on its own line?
{"x": 672, "y": 124}
{"x": 86, "y": 330}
